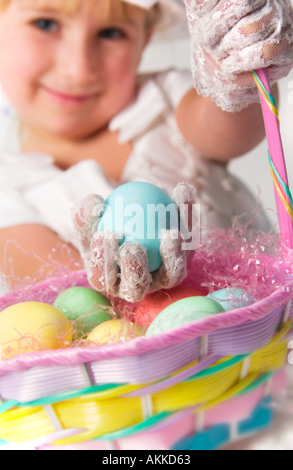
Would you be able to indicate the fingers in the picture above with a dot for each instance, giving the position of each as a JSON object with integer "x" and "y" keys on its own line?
{"x": 88, "y": 210}
{"x": 198, "y": 8}
{"x": 184, "y": 193}
{"x": 255, "y": 28}
{"x": 119, "y": 271}
{"x": 135, "y": 276}
{"x": 215, "y": 23}
{"x": 230, "y": 39}
{"x": 102, "y": 269}
{"x": 174, "y": 262}
{"x": 124, "y": 271}
{"x": 241, "y": 24}
{"x": 282, "y": 49}
{"x": 276, "y": 73}
{"x": 185, "y": 197}
{"x": 248, "y": 32}
{"x": 261, "y": 55}
{"x": 86, "y": 214}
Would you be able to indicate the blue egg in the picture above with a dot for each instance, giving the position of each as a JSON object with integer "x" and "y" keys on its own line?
{"x": 137, "y": 213}
{"x": 231, "y": 298}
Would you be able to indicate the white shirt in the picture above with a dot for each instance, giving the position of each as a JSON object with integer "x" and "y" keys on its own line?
{"x": 34, "y": 190}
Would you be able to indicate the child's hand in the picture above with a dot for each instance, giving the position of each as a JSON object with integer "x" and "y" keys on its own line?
{"x": 122, "y": 271}
{"x": 232, "y": 37}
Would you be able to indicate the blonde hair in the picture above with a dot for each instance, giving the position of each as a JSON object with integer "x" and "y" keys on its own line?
{"x": 109, "y": 6}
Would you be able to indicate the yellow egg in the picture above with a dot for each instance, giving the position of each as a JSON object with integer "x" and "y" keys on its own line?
{"x": 32, "y": 326}
{"x": 114, "y": 331}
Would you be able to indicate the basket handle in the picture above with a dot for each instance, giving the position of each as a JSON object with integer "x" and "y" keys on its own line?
{"x": 277, "y": 162}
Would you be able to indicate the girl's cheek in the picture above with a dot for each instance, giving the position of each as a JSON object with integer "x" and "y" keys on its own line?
{"x": 21, "y": 67}
{"x": 33, "y": 58}
{"x": 120, "y": 74}
{"x": 123, "y": 66}
{"x": 24, "y": 53}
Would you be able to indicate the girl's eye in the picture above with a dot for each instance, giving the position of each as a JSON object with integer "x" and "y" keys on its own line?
{"x": 111, "y": 33}
{"x": 46, "y": 25}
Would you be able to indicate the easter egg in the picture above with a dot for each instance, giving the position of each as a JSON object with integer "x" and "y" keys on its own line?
{"x": 32, "y": 326}
{"x": 154, "y": 303}
{"x": 114, "y": 331}
{"x": 182, "y": 312}
{"x": 137, "y": 213}
{"x": 83, "y": 306}
{"x": 231, "y": 298}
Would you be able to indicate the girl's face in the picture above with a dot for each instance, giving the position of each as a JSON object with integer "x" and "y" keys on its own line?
{"x": 69, "y": 73}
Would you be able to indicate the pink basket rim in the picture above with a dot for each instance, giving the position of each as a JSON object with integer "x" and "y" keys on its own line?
{"x": 142, "y": 345}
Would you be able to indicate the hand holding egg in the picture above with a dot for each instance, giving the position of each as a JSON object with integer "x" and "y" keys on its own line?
{"x": 127, "y": 253}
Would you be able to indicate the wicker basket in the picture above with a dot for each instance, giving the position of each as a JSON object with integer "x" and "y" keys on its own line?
{"x": 194, "y": 387}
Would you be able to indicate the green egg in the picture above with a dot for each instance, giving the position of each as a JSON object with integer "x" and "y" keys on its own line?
{"x": 182, "y": 312}
{"x": 85, "y": 307}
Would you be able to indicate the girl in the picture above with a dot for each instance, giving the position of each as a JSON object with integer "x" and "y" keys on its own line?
{"x": 80, "y": 120}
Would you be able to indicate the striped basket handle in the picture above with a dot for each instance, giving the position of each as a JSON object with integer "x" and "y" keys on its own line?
{"x": 277, "y": 162}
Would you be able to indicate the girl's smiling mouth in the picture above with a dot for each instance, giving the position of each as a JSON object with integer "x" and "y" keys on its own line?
{"x": 69, "y": 98}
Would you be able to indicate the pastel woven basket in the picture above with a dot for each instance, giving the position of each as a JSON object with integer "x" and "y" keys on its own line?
{"x": 194, "y": 387}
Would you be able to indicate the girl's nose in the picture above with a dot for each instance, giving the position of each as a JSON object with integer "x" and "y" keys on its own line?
{"x": 77, "y": 60}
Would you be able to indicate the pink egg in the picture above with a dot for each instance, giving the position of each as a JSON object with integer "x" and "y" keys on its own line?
{"x": 154, "y": 303}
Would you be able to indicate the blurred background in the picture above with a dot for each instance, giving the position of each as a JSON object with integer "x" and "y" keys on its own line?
{"x": 252, "y": 168}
